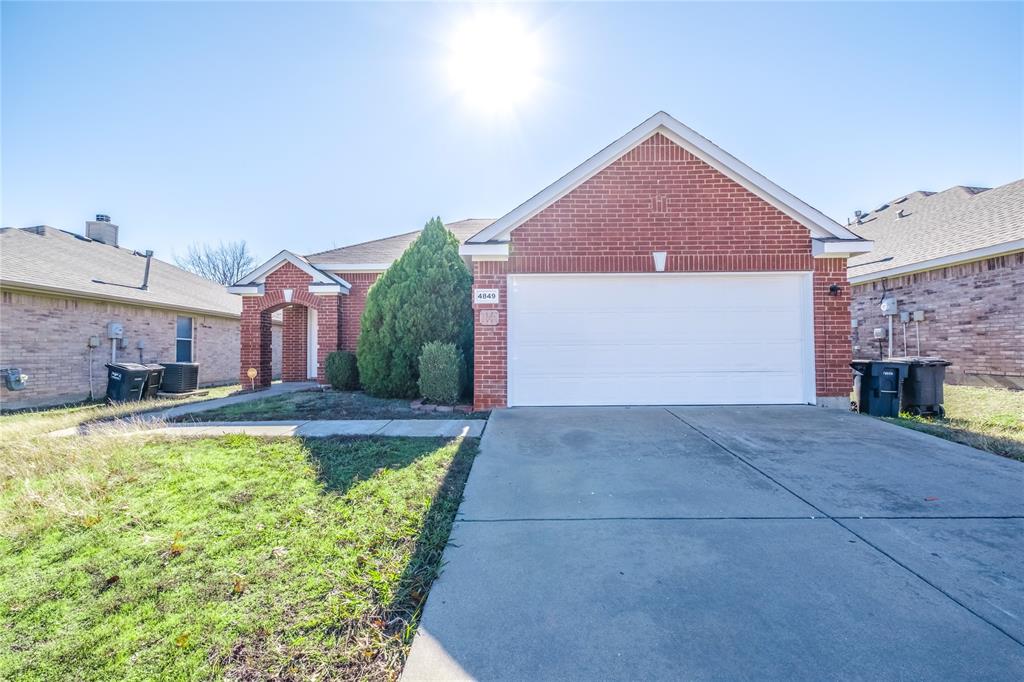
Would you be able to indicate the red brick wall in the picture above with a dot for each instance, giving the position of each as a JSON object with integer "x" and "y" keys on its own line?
{"x": 659, "y": 197}
{"x": 833, "y": 376}
{"x": 352, "y": 306}
{"x": 293, "y": 363}
{"x": 974, "y": 317}
{"x": 490, "y": 343}
{"x": 256, "y": 335}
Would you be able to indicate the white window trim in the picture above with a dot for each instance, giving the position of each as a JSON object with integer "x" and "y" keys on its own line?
{"x": 191, "y": 340}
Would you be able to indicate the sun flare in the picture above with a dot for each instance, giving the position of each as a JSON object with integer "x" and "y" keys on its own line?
{"x": 494, "y": 61}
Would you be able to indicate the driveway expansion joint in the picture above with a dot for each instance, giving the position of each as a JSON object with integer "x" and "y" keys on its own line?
{"x": 839, "y": 522}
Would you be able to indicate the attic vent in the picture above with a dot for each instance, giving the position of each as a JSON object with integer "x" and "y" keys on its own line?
{"x": 901, "y": 214}
{"x": 900, "y": 201}
{"x": 881, "y": 208}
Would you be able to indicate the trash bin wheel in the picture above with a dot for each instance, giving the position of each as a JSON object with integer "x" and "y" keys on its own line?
{"x": 942, "y": 412}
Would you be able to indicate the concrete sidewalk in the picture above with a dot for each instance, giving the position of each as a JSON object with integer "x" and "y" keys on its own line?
{"x": 316, "y": 428}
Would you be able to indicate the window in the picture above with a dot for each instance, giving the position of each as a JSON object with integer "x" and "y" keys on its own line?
{"x": 183, "y": 340}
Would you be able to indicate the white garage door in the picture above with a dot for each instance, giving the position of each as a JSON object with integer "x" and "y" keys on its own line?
{"x": 660, "y": 339}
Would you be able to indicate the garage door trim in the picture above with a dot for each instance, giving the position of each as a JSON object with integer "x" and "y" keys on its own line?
{"x": 806, "y": 316}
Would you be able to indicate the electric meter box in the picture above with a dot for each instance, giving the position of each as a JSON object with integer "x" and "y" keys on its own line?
{"x": 115, "y": 330}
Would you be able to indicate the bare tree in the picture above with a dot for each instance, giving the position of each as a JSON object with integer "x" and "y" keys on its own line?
{"x": 224, "y": 263}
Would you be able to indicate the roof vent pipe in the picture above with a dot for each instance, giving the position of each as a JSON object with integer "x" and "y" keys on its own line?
{"x": 145, "y": 276}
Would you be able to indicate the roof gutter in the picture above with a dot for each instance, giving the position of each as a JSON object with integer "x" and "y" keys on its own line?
{"x": 74, "y": 293}
{"x": 941, "y": 262}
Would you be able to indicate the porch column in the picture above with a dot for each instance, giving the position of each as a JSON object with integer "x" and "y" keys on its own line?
{"x": 293, "y": 346}
{"x": 256, "y": 344}
{"x": 328, "y": 333}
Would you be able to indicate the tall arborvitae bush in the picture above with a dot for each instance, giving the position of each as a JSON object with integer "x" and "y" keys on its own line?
{"x": 424, "y": 296}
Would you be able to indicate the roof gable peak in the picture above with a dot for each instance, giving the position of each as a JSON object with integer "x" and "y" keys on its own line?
{"x": 820, "y": 225}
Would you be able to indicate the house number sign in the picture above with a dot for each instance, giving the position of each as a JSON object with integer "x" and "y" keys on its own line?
{"x": 485, "y": 296}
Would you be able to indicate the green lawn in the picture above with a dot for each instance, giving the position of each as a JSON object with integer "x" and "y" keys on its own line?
{"x": 235, "y": 557}
{"x": 327, "y": 404}
{"x": 989, "y": 419}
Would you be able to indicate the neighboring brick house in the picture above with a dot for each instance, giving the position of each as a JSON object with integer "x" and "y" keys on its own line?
{"x": 660, "y": 271}
{"x": 59, "y": 291}
{"x": 957, "y": 257}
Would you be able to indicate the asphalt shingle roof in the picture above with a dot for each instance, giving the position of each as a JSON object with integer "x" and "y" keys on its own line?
{"x": 937, "y": 225}
{"x": 388, "y": 249}
{"x": 52, "y": 259}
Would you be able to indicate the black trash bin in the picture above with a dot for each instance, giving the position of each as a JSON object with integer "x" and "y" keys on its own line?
{"x": 922, "y": 389}
{"x": 126, "y": 381}
{"x": 881, "y": 386}
{"x": 180, "y": 377}
{"x": 153, "y": 381}
{"x": 861, "y": 384}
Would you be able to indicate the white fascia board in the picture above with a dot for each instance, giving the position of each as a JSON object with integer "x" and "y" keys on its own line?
{"x": 840, "y": 248}
{"x": 258, "y": 275}
{"x": 319, "y": 289}
{"x": 246, "y": 290}
{"x": 817, "y": 222}
{"x": 353, "y": 267}
{"x": 493, "y": 249}
{"x": 944, "y": 261}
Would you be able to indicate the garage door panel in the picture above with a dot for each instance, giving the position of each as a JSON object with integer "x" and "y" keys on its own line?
{"x": 662, "y": 339}
{"x": 715, "y": 326}
{"x": 648, "y": 357}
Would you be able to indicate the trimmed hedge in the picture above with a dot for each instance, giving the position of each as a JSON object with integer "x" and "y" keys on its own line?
{"x": 342, "y": 371}
{"x": 424, "y": 296}
{"x": 442, "y": 373}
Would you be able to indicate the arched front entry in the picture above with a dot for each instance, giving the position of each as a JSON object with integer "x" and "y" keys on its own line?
{"x": 312, "y": 328}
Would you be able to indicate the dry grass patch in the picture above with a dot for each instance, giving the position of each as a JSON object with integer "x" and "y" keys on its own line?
{"x": 990, "y": 419}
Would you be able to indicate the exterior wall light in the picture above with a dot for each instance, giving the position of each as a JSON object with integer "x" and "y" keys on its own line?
{"x": 659, "y": 260}
{"x": 834, "y": 290}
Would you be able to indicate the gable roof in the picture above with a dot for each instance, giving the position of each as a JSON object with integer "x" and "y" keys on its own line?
{"x": 380, "y": 253}
{"x": 937, "y": 229}
{"x": 318, "y": 276}
{"x": 51, "y": 260}
{"x": 820, "y": 225}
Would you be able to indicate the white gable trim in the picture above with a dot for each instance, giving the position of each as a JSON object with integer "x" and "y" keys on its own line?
{"x": 259, "y": 275}
{"x": 818, "y": 223}
{"x": 840, "y": 248}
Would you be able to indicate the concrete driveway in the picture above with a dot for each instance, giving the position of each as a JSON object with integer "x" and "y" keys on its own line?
{"x": 727, "y": 543}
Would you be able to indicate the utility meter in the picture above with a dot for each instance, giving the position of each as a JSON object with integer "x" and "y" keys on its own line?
{"x": 888, "y": 305}
{"x": 115, "y": 330}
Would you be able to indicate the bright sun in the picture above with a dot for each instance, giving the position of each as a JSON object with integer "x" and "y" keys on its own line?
{"x": 494, "y": 61}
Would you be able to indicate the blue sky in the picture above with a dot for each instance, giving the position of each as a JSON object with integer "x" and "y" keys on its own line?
{"x": 308, "y": 126}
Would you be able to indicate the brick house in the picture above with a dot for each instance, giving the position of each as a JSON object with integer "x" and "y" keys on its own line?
{"x": 956, "y": 258}
{"x": 321, "y": 297}
{"x": 59, "y": 291}
{"x": 662, "y": 270}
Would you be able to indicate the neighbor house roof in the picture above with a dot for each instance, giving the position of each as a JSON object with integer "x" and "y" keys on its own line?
{"x": 380, "y": 253}
{"x": 926, "y": 230}
{"x": 51, "y": 260}
{"x": 825, "y": 230}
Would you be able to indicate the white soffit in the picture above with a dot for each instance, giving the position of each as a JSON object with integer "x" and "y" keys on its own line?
{"x": 818, "y": 223}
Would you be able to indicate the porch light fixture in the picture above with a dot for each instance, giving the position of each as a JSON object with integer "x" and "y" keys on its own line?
{"x": 834, "y": 290}
{"x": 659, "y": 260}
